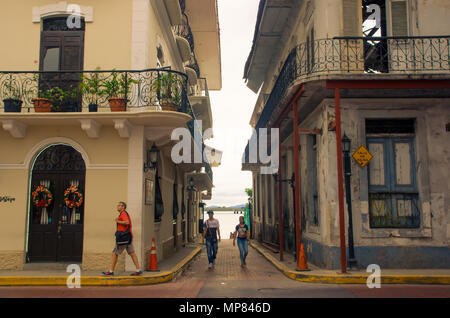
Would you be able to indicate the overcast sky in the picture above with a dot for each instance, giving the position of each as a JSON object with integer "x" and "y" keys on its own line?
{"x": 233, "y": 105}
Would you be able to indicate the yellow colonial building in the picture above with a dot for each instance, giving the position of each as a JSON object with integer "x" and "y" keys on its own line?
{"x": 90, "y": 94}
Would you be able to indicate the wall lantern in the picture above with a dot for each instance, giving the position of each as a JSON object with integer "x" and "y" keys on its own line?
{"x": 346, "y": 143}
{"x": 152, "y": 158}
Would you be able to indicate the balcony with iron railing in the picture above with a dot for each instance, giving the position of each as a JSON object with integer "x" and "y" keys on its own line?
{"x": 154, "y": 98}
{"x": 356, "y": 58}
{"x": 371, "y": 57}
{"x": 201, "y": 103}
{"x": 95, "y": 91}
{"x": 192, "y": 70}
{"x": 185, "y": 38}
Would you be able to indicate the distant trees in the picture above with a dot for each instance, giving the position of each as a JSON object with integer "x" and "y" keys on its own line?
{"x": 249, "y": 192}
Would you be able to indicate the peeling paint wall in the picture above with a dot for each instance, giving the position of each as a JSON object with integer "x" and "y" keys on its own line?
{"x": 413, "y": 248}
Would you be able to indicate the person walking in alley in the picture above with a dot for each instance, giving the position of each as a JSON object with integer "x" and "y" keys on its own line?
{"x": 123, "y": 224}
{"x": 243, "y": 236}
{"x": 210, "y": 231}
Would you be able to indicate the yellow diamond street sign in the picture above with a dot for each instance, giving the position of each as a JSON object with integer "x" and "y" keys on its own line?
{"x": 362, "y": 156}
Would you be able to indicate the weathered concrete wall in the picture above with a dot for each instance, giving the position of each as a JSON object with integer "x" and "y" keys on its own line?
{"x": 426, "y": 246}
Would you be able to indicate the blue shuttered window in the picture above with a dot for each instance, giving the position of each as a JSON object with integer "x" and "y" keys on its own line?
{"x": 393, "y": 194}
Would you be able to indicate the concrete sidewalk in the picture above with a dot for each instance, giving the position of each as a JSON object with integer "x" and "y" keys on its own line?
{"x": 39, "y": 275}
{"x": 324, "y": 276}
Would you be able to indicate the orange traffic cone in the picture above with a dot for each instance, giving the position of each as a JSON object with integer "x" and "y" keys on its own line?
{"x": 153, "y": 260}
{"x": 301, "y": 260}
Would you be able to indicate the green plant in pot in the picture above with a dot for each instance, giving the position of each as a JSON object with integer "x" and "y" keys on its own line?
{"x": 56, "y": 99}
{"x": 91, "y": 87}
{"x": 12, "y": 102}
{"x": 63, "y": 100}
{"x": 43, "y": 102}
{"x": 168, "y": 89}
{"x": 115, "y": 89}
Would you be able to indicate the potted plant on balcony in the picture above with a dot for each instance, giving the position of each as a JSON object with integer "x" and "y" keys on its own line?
{"x": 55, "y": 99}
{"x": 115, "y": 90}
{"x": 168, "y": 89}
{"x": 91, "y": 87}
{"x": 43, "y": 103}
{"x": 64, "y": 100}
{"x": 12, "y": 103}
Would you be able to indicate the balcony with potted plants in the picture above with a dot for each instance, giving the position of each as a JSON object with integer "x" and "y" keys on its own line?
{"x": 152, "y": 97}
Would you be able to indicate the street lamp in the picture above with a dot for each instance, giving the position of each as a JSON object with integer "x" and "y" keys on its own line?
{"x": 346, "y": 144}
{"x": 291, "y": 182}
{"x": 152, "y": 158}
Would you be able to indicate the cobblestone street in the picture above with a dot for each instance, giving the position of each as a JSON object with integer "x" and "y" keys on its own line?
{"x": 260, "y": 279}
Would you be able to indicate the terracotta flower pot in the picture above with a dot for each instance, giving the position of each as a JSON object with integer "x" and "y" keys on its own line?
{"x": 42, "y": 105}
{"x": 169, "y": 106}
{"x": 117, "y": 104}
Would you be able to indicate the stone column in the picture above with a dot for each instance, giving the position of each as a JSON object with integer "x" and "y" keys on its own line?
{"x": 136, "y": 147}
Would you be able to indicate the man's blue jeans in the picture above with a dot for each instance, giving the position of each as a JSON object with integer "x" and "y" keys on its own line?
{"x": 243, "y": 249}
{"x": 211, "y": 249}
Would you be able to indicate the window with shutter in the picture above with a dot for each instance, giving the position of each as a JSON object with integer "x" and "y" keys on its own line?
{"x": 351, "y": 9}
{"x": 399, "y": 18}
{"x": 393, "y": 195}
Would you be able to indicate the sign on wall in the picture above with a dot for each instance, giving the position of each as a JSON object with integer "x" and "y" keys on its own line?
{"x": 7, "y": 199}
{"x": 362, "y": 156}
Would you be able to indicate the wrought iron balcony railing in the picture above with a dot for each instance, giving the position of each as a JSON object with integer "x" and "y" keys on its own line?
{"x": 359, "y": 55}
{"x": 194, "y": 64}
{"x": 76, "y": 91}
{"x": 200, "y": 89}
{"x": 374, "y": 55}
{"x": 184, "y": 30}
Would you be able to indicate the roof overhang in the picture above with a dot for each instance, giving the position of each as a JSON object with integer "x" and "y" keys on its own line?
{"x": 204, "y": 22}
{"x": 271, "y": 21}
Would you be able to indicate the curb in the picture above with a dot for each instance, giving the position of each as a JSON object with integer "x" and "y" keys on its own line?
{"x": 310, "y": 277}
{"x": 158, "y": 278}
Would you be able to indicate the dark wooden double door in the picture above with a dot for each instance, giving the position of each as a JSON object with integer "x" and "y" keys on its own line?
{"x": 56, "y": 232}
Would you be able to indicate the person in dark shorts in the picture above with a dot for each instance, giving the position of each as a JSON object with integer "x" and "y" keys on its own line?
{"x": 211, "y": 229}
{"x": 243, "y": 236}
{"x": 123, "y": 223}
